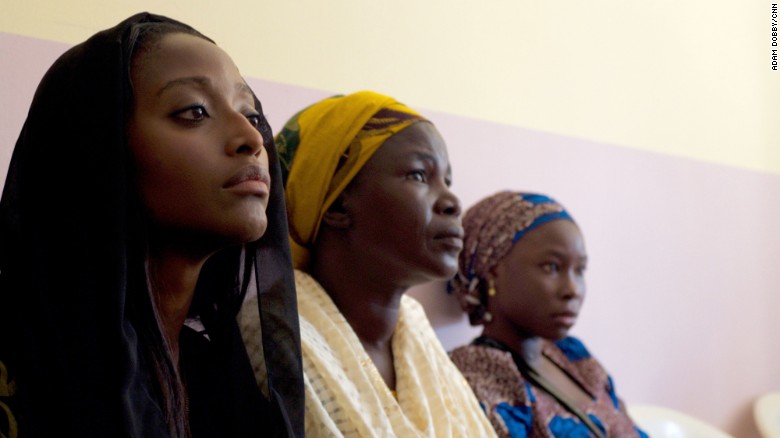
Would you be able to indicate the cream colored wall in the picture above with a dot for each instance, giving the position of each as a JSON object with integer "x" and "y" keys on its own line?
{"x": 689, "y": 78}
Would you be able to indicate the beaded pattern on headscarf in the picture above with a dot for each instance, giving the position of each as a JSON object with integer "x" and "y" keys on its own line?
{"x": 492, "y": 227}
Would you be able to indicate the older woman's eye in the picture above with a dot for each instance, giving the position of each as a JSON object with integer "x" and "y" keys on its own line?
{"x": 417, "y": 175}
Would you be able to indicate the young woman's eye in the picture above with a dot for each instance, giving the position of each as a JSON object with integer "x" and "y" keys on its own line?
{"x": 581, "y": 270}
{"x": 194, "y": 113}
{"x": 417, "y": 175}
{"x": 254, "y": 119}
{"x": 551, "y": 267}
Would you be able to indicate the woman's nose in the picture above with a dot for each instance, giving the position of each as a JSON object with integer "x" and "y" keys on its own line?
{"x": 244, "y": 137}
{"x": 573, "y": 285}
{"x": 448, "y": 204}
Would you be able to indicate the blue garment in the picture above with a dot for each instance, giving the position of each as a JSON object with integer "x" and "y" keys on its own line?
{"x": 524, "y": 410}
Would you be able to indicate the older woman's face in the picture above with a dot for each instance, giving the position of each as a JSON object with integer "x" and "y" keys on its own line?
{"x": 403, "y": 213}
{"x": 202, "y": 167}
{"x": 540, "y": 283}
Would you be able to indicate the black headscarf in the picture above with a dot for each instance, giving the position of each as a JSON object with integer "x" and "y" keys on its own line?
{"x": 72, "y": 281}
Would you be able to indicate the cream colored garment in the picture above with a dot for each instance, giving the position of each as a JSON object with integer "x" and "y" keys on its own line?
{"x": 252, "y": 334}
{"x": 345, "y": 394}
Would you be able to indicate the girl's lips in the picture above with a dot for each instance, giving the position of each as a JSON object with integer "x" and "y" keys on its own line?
{"x": 566, "y": 319}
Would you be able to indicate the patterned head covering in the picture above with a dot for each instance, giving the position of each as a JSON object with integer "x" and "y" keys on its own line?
{"x": 492, "y": 227}
{"x": 323, "y": 147}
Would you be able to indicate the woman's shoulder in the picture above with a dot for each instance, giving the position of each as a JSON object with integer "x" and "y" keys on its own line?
{"x": 412, "y": 311}
{"x": 414, "y": 332}
{"x": 313, "y": 301}
{"x": 326, "y": 336}
{"x": 305, "y": 283}
{"x": 491, "y": 373}
{"x": 489, "y": 363}
{"x": 571, "y": 354}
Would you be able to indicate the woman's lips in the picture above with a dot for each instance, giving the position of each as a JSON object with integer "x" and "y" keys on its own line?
{"x": 253, "y": 180}
{"x": 451, "y": 238}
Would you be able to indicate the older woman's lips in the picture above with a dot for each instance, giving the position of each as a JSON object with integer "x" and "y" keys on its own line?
{"x": 451, "y": 239}
{"x": 250, "y": 180}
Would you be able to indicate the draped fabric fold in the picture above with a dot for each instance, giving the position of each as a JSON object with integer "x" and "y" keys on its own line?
{"x": 342, "y": 399}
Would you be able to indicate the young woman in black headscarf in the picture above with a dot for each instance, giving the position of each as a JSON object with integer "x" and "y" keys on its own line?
{"x": 142, "y": 201}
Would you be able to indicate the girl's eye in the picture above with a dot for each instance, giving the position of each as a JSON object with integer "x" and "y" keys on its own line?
{"x": 417, "y": 175}
{"x": 254, "y": 119}
{"x": 194, "y": 113}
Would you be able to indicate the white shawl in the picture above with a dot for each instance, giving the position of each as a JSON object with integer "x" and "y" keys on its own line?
{"x": 345, "y": 394}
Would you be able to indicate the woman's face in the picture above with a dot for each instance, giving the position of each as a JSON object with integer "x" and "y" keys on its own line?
{"x": 540, "y": 283}
{"x": 201, "y": 164}
{"x": 403, "y": 213}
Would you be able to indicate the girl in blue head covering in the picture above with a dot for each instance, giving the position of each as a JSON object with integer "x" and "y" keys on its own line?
{"x": 521, "y": 275}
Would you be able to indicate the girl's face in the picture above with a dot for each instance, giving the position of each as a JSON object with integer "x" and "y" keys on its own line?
{"x": 201, "y": 164}
{"x": 403, "y": 213}
{"x": 540, "y": 283}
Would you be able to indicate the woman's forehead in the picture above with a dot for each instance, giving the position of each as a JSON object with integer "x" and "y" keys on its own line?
{"x": 180, "y": 55}
{"x": 418, "y": 141}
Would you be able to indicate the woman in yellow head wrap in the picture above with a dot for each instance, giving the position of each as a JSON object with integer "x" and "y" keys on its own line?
{"x": 371, "y": 214}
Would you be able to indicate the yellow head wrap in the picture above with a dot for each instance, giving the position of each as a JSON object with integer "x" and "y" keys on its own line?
{"x": 323, "y": 147}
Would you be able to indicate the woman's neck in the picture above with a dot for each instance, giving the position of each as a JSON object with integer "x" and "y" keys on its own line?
{"x": 369, "y": 302}
{"x": 528, "y": 347}
{"x": 368, "y": 298}
{"x": 173, "y": 277}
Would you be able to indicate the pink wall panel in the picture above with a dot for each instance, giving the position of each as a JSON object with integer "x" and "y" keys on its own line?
{"x": 683, "y": 289}
{"x": 682, "y": 285}
{"x": 682, "y": 278}
{"x": 23, "y": 62}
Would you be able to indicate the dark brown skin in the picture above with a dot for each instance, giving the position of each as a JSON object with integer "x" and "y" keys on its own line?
{"x": 397, "y": 225}
{"x": 540, "y": 287}
{"x": 193, "y": 136}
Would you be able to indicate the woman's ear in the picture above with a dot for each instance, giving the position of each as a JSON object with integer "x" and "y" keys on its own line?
{"x": 491, "y": 274}
{"x": 337, "y": 216}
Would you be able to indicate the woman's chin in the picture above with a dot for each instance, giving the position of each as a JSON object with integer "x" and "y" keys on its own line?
{"x": 256, "y": 232}
{"x": 557, "y": 335}
{"x": 443, "y": 272}
{"x": 445, "y": 268}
